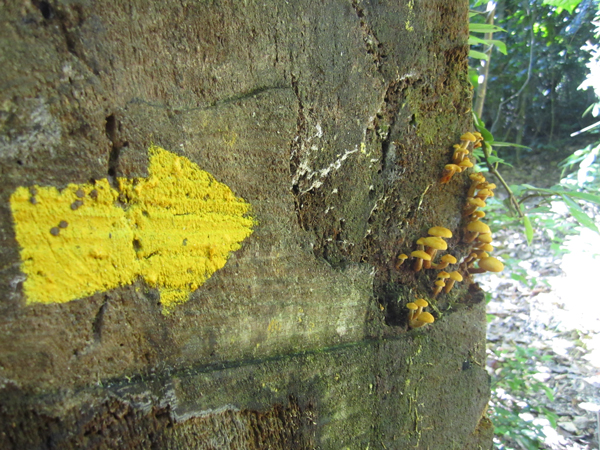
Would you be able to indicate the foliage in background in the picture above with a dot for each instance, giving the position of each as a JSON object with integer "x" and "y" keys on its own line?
{"x": 516, "y": 416}
{"x": 532, "y": 97}
{"x": 537, "y": 93}
{"x": 569, "y": 193}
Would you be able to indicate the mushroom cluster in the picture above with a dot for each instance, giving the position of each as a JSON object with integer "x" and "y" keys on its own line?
{"x": 425, "y": 254}
{"x": 416, "y": 316}
{"x": 477, "y": 233}
{"x": 427, "y": 248}
{"x": 460, "y": 160}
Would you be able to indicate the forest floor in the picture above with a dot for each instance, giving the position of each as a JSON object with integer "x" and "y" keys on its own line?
{"x": 544, "y": 337}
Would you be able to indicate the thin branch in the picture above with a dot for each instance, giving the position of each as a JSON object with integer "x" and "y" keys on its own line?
{"x": 511, "y": 196}
{"x": 529, "y": 70}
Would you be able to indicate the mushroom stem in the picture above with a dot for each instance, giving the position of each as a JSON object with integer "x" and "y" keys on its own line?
{"x": 449, "y": 285}
{"x": 400, "y": 260}
{"x": 470, "y": 236}
{"x": 438, "y": 287}
{"x": 421, "y": 319}
{"x": 418, "y": 264}
{"x": 440, "y": 266}
{"x": 431, "y": 252}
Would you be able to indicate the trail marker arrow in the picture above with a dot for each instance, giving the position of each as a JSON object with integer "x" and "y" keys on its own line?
{"x": 175, "y": 229}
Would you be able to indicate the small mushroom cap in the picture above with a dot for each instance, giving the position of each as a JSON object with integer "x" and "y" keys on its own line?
{"x": 449, "y": 259}
{"x": 425, "y": 317}
{"x": 465, "y": 163}
{"x": 482, "y": 255}
{"x": 468, "y": 137}
{"x": 491, "y": 264}
{"x": 486, "y": 247}
{"x": 421, "y": 255}
{"x": 485, "y": 237}
{"x": 443, "y": 274}
{"x": 478, "y": 227}
{"x": 478, "y": 214}
{"x": 452, "y": 167}
{"x": 402, "y": 256}
{"x": 491, "y": 186}
{"x": 456, "y": 276}
{"x": 440, "y": 232}
{"x": 440, "y": 283}
{"x": 420, "y": 241}
{"x": 412, "y": 306}
{"x": 435, "y": 242}
{"x": 477, "y": 177}
{"x": 476, "y": 201}
{"x": 484, "y": 192}
{"x": 422, "y": 303}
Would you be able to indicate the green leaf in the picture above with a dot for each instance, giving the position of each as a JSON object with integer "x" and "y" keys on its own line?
{"x": 508, "y": 144}
{"x": 569, "y": 5}
{"x": 501, "y": 46}
{"x": 484, "y": 28}
{"x": 528, "y": 230}
{"x": 579, "y": 215}
{"x": 494, "y": 159}
{"x": 477, "y": 55}
{"x": 487, "y": 136}
{"x": 548, "y": 392}
{"x": 474, "y": 40}
{"x": 585, "y": 196}
{"x": 474, "y": 77}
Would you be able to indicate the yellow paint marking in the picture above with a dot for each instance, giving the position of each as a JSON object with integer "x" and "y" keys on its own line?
{"x": 175, "y": 229}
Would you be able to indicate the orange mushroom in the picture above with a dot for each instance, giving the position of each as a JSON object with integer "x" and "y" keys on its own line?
{"x": 445, "y": 261}
{"x": 422, "y": 319}
{"x": 449, "y": 171}
{"x": 489, "y": 264}
{"x": 420, "y": 256}
{"x": 474, "y": 229}
{"x": 453, "y": 277}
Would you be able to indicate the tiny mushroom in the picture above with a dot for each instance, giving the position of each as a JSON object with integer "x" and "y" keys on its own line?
{"x": 474, "y": 229}
{"x": 465, "y": 164}
{"x": 420, "y": 256}
{"x": 489, "y": 264}
{"x": 459, "y": 154}
{"x": 477, "y": 215}
{"x": 446, "y": 259}
{"x": 472, "y": 205}
{"x": 401, "y": 258}
{"x": 453, "y": 277}
{"x": 440, "y": 232}
{"x": 412, "y": 308}
{"x": 485, "y": 247}
{"x": 439, "y": 284}
{"x": 421, "y": 303}
{"x": 484, "y": 193}
{"x": 476, "y": 179}
{"x": 449, "y": 171}
{"x": 422, "y": 319}
{"x": 467, "y": 137}
{"x": 433, "y": 244}
{"x": 485, "y": 238}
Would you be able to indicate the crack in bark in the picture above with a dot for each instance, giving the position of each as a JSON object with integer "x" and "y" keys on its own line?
{"x": 372, "y": 44}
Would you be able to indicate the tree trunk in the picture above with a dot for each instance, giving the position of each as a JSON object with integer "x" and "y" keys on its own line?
{"x": 202, "y": 207}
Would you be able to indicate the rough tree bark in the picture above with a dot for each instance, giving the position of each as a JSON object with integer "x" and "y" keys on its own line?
{"x": 333, "y": 120}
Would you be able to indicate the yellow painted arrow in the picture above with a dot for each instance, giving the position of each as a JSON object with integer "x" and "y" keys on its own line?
{"x": 175, "y": 229}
